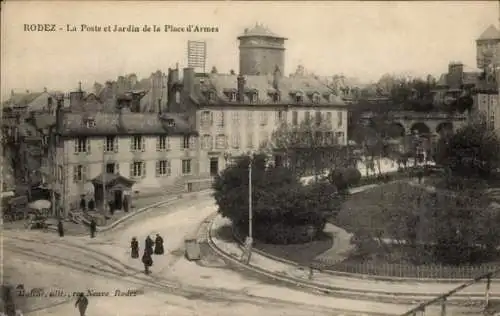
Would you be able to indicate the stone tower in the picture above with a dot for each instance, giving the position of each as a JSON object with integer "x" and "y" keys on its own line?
{"x": 261, "y": 51}
{"x": 488, "y": 47}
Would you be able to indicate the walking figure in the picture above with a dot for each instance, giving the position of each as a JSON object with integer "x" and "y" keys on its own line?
{"x": 82, "y": 302}
{"x": 148, "y": 247}
{"x": 147, "y": 260}
{"x": 134, "y": 245}
{"x": 60, "y": 228}
{"x": 125, "y": 204}
{"x": 159, "y": 250}
{"x": 93, "y": 228}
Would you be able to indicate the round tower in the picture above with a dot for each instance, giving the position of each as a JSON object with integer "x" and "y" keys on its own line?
{"x": 261, "y": 51}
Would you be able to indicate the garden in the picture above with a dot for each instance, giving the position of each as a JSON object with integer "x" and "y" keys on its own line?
{"x": 399, "y": 228}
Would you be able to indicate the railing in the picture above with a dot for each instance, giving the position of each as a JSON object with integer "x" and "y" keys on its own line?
{"x": 443, "y": 298}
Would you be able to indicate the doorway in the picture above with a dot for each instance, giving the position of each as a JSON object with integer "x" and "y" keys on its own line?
{"x": 118, "y": 199}
{"x": 214, "y": 166}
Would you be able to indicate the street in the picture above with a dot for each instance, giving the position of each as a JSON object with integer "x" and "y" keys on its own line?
{"x": 176, "y": 286}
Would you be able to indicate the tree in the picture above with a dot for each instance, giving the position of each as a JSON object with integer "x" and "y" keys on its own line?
{"x": 309, "y": 146}
{"x": 214, "y": 70}
{"x": 231, "y": 72}
{"x": 472, "y": 151}
{"x": 283, "y": 208}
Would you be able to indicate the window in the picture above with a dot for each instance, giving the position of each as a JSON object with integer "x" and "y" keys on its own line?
{"x": 206, "y": 118}
{"x": 263, "y": 118}
{"x": 82, "y": 145}
{"x": 329, "y": 117}
{"x": 263, "y": 138}
{"x": 316, "y": 98}
{"x": 186, "y": 166}
{"x": 170, "y": 122}
{"x": 339, "y": 119}
{"x": 112, "y": 167}
{"x": 90, "y": 123}
{"x": 318, "y": 138}
{"x": 177, "y": 97}
{"x": 162, "y": 143}
{"x": 186, "y": 142}
{"x": 318, "y": 118}
{"x": 295, "y": 118}
{"x": 280, "y": 116}
{"x": 236, "y": 140}
{"x": 250, "y": 140}
{"x": 138, "y": 169}
{"x": 307, "y": 116}
{"x": 220, "y": 119}
{"x": 329, "y": 138}
{"x": 340, "y": 137}
{"x": 299, "y": 98}
{"x": 221, "y": 141}
{"x": 232, "y": 96}
{"x": 207, "y": 142}
{"x": 236, "y": 118}
{"x": 276, "y": 97}
{"x": 79, "y": 173}
{"x": 250, "y": 117}
{"x": 60, "y": 173}
{"x": 111, "y": 144}
{"x": 211, "y": 96}
{"x": 163, "y": 168}
{"x": 255, "y": 97}
{"x": 137, "y": 143}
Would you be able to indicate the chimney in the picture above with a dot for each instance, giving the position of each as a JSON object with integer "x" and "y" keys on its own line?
{"x": 188, "y": 80}
{"x": 241, "y": 88}
{"x": 455, "y": 75}
{"x": 59, "y": 115}
{"x": 49, "y": 104}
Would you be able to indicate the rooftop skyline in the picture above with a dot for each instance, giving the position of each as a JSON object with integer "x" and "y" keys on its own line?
{"x": 358, "y": 39}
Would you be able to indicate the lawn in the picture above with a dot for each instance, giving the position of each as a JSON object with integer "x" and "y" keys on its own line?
{"x": 303, "y": 254}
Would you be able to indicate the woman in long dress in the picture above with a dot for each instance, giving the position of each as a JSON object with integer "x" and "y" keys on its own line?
{"x": 159, "y": 250}
{"x": 134, "y": 245}
{"x": 147, "y": 260}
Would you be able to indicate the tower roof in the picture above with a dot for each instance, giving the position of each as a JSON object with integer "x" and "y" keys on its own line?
{"x": 491, "y": 33}
{"x": 259, "y": 30}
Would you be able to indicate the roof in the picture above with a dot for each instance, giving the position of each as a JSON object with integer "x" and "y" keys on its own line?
{"x": 491, "y": 33}
{"x": 222, "y": 84}
{"x": 260, "y": 31}
{"x": 124, "y": 124}
{"x": 44, "y": 121}
{"x": 112, "y": 178}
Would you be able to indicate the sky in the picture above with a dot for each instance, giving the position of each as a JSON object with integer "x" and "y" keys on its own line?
{"x": 358, "y": 39}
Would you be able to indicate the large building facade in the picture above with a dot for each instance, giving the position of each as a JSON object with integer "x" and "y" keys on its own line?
{"x": 237, "y": 114}
{"x": 154, "y": 151}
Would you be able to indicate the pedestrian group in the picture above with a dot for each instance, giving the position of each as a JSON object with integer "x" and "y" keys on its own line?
{"x": 150, "y": 247}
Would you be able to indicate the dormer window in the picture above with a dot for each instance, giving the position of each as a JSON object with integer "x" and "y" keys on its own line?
{"x": 211, "y": 96}
{"x": 90, "y": 123}
{"x": 232, "y": 96}
{"x": 254, "y": 96}
{"x": 299, "y": 97}
{"x": 315, "y": 98}
{"x": 331, "y": 97}
{"x": 170, "y": 123}
{"x": 276, "y": 97}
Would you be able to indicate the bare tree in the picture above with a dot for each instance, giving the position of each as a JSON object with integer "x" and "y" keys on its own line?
{"x": 310, "y": 146}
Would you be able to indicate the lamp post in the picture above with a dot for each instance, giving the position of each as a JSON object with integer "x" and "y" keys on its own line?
{"x": 249, "y": 240}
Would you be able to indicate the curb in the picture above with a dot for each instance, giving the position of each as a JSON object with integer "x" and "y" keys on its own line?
{"x": 386, "y": 297}
{"x": 139, "y": 211}
{"x": 148, "y": 208}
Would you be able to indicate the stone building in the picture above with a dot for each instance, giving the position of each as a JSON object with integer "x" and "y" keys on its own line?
{"x": 237, "y": 114}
